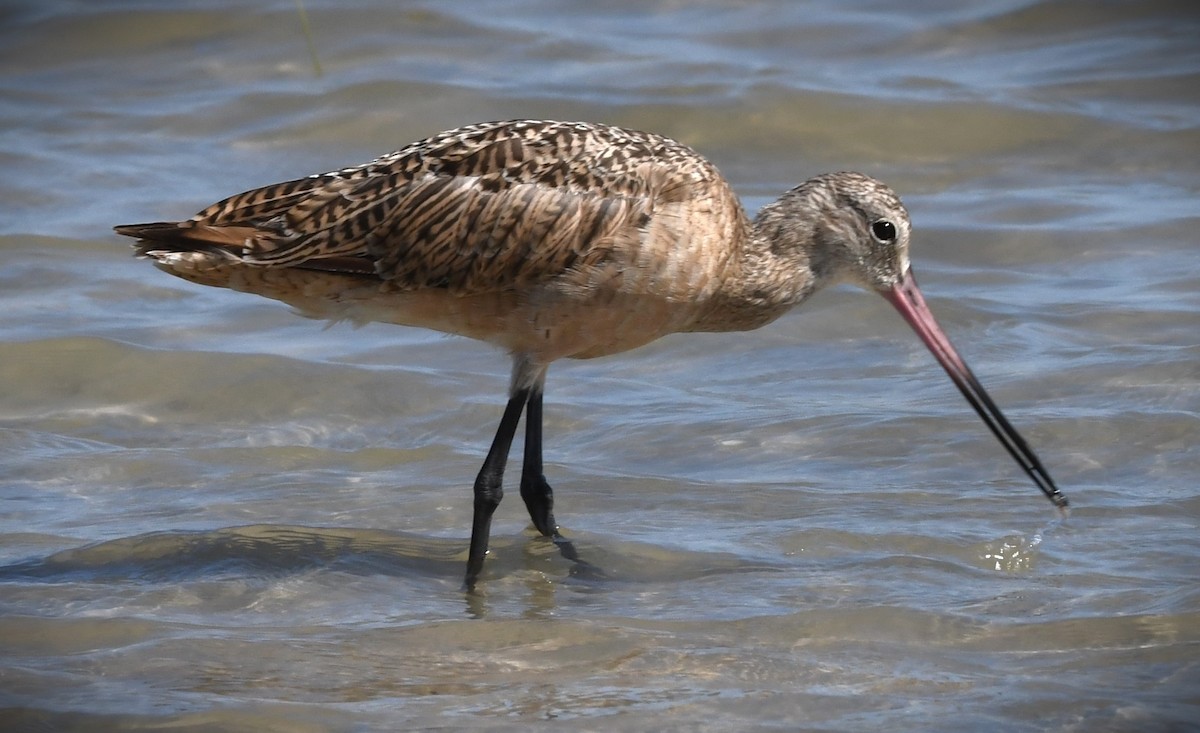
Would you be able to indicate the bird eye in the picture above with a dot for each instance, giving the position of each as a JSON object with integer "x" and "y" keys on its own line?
{"x": 884, "y": 230}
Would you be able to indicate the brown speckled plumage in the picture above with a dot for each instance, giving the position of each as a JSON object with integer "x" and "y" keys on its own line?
{"x": 550, "y": 239}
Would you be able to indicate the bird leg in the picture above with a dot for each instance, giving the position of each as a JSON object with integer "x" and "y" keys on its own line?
{"x": 538, "y": 496}
{"x": 535, "y": 490}
{"x": 488, "y": 484}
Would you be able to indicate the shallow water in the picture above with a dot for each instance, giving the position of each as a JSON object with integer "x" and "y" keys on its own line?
{"x": 218, "y": 516}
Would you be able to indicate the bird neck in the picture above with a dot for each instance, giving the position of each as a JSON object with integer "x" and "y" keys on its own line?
{"x": 769, "y": 274}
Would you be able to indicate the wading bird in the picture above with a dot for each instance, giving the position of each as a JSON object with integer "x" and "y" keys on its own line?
{"x": 557, "y": 240}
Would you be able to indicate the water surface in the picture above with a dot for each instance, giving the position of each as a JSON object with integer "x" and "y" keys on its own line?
{"x": 220, "y": 516}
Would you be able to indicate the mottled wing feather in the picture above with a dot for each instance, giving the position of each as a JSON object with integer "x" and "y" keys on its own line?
{"x": 259, "y": 205}
{"x": 469, "y": 237}
{"x": 486, "y": 207}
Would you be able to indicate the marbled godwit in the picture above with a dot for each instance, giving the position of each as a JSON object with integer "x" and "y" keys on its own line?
{"x": 557, "y": 240}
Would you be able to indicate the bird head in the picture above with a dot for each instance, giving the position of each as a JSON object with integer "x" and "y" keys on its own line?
{"x": 860, "y": 230}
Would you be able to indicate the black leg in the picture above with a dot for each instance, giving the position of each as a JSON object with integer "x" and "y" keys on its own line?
{"x": 488, "y": 484}
{"x": 538, "y": 496}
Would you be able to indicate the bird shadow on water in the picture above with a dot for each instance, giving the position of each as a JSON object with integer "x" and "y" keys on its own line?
{"x": 268, "y": 551}
{"x": 260, "y": 551}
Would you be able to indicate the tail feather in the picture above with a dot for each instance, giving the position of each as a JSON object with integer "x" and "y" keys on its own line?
{"x": 188, "y": 235}
{"x": 152, "y": 230}
{"x": 173, "y": 242}
{"x": 166, "y": 241}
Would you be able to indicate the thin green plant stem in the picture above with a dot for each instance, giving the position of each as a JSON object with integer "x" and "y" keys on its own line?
{"x": 308, "y": 37}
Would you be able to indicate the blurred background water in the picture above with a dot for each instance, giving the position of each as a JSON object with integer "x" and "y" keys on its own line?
{"x": 219, "y": 516}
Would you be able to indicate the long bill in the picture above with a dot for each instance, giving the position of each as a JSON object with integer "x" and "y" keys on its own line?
{"x": 906, "y": 297}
